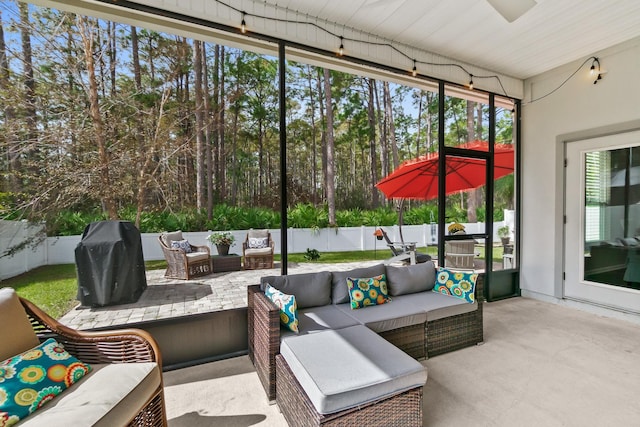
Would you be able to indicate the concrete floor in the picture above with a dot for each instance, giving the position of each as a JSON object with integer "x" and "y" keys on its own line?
{"x": 541, "y": 365}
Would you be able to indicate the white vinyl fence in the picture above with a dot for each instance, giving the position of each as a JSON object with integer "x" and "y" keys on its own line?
{"x": 61, "y": 250}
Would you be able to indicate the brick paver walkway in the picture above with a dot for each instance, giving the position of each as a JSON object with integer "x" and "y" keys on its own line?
{"x": 165, "y": 298}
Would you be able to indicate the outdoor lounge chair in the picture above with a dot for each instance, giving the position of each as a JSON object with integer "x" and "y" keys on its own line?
{"x": 181, "y": 263}
{"x": 404, "y": 252}
{"x": 258, "y": 249}
{"x": 123, "y": 387}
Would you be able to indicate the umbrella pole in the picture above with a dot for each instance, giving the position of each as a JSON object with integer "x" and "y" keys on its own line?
{"x": 400, "y": 220}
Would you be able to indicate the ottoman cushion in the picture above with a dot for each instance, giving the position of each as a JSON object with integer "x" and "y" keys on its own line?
{"x": 345, "y": 368}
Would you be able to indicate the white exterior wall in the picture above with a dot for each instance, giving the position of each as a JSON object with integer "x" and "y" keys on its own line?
{"x": 578, "y": 110}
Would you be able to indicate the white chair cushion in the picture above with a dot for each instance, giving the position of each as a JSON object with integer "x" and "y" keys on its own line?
{"x": 108, "y": 396}
{"x": 261, "y": 251}
{"x": 197, "y": 256}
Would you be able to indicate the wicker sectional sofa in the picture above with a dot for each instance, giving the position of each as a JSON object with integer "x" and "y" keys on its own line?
{"x": 418, "y": 321}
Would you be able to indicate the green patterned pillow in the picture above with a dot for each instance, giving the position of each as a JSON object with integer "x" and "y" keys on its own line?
{"x": 456, "y": 283}
{"x": 31, "y": 379}
{"x": 286, "y": 304}
{"x": 364, "y": 292}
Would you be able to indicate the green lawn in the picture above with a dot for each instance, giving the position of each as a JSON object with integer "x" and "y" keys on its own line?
{"x": 53, "y": 288}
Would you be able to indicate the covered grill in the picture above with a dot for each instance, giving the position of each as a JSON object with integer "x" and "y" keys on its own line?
{"x": 110, "y": 264}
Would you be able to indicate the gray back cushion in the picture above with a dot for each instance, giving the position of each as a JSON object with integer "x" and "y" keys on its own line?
{"x": 340, "y": 291}
{"x": 310, "y": 289}
{"x": 411, "y": 279}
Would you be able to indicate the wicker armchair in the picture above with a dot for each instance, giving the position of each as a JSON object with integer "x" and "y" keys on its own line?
{"x": 183, "y": 265}
{"x": 257, "y": 252}
{"x": 459, "y": 253}
{"x": 109, "y": 347}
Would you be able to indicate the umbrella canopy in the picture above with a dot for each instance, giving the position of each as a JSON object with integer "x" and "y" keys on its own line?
{"x": 418, "y": 178}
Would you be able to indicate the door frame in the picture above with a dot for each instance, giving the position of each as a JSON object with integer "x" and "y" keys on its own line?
{"x": 561, "y": 192}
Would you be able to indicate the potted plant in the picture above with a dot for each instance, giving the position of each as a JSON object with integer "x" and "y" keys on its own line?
{"x": 222, "y": 240}
{"x": 456, "y": 228}
{"x": 503, "y": 233}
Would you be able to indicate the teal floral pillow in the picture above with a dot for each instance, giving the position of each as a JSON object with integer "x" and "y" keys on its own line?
{"x": 31, "y": 379}
{"x": 286, "y": 304}
{"x": 364, "y": 292}
{"x": 456, "y": 283}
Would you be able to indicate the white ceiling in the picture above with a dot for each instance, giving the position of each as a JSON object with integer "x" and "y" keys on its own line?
{"x": 552, "y": 33}
{"x": 470, "y": 34}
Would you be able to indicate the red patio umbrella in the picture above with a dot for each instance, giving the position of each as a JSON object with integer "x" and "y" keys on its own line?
{"x": 418, "y": 178}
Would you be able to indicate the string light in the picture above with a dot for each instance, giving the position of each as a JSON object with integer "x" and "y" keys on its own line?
{"x": 362, "y": 41}
{"x": 471, "y": 81}
{"x": 594, "y": 61}
{"x": 243, "y": 24}
{"x": 593, "y": 69}
{"x": 414, "y": 72}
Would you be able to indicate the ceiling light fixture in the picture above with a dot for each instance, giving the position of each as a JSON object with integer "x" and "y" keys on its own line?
{"x": 341, "y": 48}
{"x": 471, "y": 81}
{"x": 414, "y": 72}
{"x": 243, "y": 24}
{"x": 595, "y": 68}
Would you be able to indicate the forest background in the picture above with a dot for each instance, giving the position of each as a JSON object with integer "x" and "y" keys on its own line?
{"x": 102, "y": 120}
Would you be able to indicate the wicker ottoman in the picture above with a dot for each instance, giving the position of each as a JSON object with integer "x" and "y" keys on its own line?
{"x": 349, "y": 376}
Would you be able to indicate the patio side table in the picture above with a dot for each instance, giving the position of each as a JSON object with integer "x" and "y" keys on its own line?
{"x": 231, "y": 262}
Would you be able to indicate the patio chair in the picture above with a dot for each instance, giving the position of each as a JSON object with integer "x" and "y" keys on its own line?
{"x": 184, "y": 260}
{"x": 258, "y": 249}
{"x": 404, "y": 252}
{"x": 124, "y": 386}
{"x": 459, "y": 253}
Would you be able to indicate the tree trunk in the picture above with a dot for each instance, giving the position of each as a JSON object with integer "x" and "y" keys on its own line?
{"x": 29, "y": 81}
{"x": 314, "y": 142}
{"x": 472, "y": 196}
{"x": 13, "y": 148}
{"x": 323, "y": 136}
{"x": 209, "y": 135}
{"x": 371, "y": 117}
{"x": 106, "y": 192}
{"x": 142, "y": 178}
{"x": 390, "y": 124}
{"x": 221, "y": 160}
{"x": 199, "y": 115}
{"x": 331, "y": 196}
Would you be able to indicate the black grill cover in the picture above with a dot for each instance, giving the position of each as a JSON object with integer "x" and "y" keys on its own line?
{"x": 110, "y": 264}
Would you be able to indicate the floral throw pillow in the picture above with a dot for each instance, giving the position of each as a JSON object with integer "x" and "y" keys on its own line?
{"x": 181, "y": 244}
{"x": 31, "y": 379}
{"x": 258, "y": 242}
{"x": 286, "y": 304}
{"x": 456, "y": 283}
{"x": 364, "y": 292}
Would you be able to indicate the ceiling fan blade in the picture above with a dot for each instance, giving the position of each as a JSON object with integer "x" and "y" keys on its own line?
{"x": 512, "y": 9}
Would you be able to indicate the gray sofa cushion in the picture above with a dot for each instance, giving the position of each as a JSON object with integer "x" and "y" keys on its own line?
{"x": 438, "y": 306}
{"x": 397, "y": 313}
{"x": 316, "y": 319}
{"x": 411, "y": 279}
{"x": 340, "y": 292}
{"x": 344, "y": 368}
{"x": 310, "y": 289}
{"x": 108, "y": 396}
